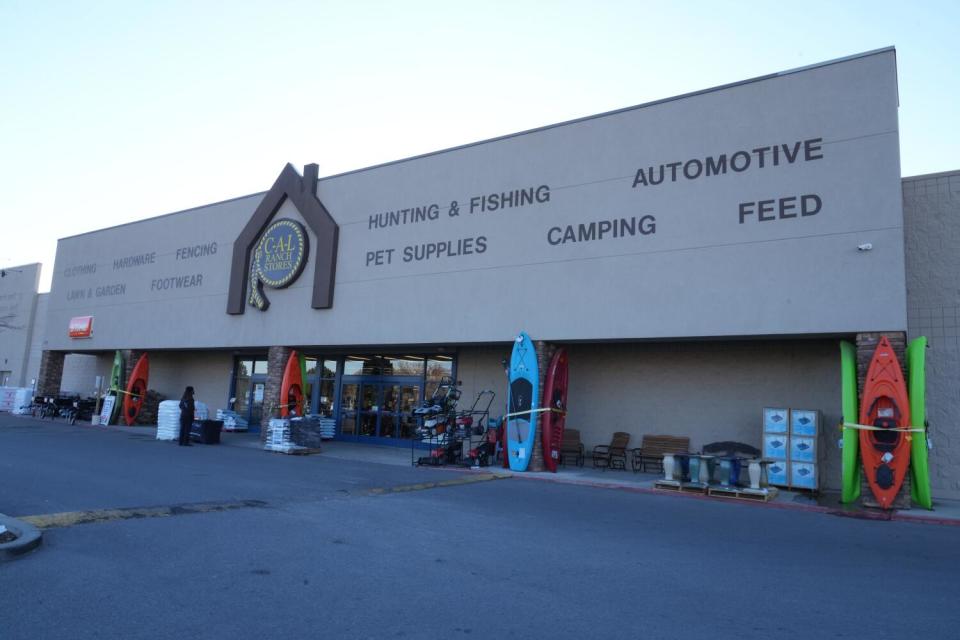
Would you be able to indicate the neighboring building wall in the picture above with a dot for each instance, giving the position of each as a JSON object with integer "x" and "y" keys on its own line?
{"x": 931, "y": 212}
{"x": 18, "y": 305}
{"x": 37, "y": 340}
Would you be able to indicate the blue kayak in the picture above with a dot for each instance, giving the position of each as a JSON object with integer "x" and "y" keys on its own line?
{"x": 522, "y": 400}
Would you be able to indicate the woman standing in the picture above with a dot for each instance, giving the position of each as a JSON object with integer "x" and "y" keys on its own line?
{"x": 186, "y": 416}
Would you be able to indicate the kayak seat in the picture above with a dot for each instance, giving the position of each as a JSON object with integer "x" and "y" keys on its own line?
{"x": 885, "y": 440}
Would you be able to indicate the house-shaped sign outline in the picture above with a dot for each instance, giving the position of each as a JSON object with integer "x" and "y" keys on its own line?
{"x": 302, "y": 192}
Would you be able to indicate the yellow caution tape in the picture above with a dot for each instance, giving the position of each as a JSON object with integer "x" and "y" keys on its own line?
{"x": 865, "y": 427}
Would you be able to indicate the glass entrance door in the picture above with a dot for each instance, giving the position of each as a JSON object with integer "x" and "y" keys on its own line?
{"x": 369, "y": 409}
{"x": 409, "y": 400}
{"x": 389, "y": 410}
{"x": 378, "y": 410}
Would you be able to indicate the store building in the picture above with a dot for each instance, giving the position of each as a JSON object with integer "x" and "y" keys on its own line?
{"x": 699, "y": 257}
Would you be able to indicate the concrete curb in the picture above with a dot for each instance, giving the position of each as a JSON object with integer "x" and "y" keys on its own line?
{"x": 861, "y": 514}
{"x": 28, "y": 538}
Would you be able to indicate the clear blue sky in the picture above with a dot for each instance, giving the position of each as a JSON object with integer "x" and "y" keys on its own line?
{"x": 116, "y": 111}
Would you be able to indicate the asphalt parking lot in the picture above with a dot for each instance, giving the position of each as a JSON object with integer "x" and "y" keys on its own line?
{"x": 158, "y": 541}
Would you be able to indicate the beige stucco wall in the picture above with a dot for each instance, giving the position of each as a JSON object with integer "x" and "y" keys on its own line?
{"x": 709, "y": 391}
{"x": 207, "y": 372}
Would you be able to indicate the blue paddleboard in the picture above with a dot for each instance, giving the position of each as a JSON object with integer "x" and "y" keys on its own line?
{"x": 522, "y": 397}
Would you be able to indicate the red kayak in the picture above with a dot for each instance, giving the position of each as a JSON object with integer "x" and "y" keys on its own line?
{"x": 554, "y": 398}
{"x": 136, "y": 390}
{"x": 885, "y": 451}
{"x": 291, "y": 388}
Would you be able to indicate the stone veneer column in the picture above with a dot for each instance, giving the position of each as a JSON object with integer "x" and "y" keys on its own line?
{"x": 130, "y": 358}
{"x": 51, "y": 373}
{"x": 276, "y": 362}
{"x": 866, "y": 345}
{"x": 545, "y": 351}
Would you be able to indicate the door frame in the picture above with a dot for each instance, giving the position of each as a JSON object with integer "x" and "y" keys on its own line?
{"x": 380, "y": 382}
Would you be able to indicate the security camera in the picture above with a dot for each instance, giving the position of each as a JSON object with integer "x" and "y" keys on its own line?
{"x": 866, "y": 246}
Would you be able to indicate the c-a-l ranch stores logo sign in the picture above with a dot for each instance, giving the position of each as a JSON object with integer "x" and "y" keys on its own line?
{"x": 273, "y": 253}
{"x": 278, "y": 259}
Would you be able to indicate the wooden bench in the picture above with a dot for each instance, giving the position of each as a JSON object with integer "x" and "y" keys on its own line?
{"x": 653, "y": 448}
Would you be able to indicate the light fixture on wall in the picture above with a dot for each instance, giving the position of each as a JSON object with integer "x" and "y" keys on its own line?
{"x": 866, "y": 246}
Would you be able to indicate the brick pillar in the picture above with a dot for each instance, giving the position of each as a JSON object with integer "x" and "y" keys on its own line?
{"x": 130, "y": 358}
{"x": 866, "y": 345}
{"x": 51, "y": 373}
{"x": 545, "y": 351}
{"x": 276, "y": 361}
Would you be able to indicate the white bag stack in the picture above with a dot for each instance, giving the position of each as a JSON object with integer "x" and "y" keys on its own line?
{"x": 14, "y": 399}
{"x": 21, "y": 401}
{"x": 168, "y": 420}
{"x": 232, "y": 421}
{"x": 328, "y": 428}
{"x": 278, "y": 436}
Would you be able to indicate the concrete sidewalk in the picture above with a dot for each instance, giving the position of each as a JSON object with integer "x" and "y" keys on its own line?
{"x": 945, "y": 512}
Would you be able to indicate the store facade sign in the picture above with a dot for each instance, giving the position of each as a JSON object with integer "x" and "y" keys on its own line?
{"x": 278, "y": 259}
{"x": 261, "y": 254}
{"x": 80, "y": 327}
{"x": 732, "y": 212}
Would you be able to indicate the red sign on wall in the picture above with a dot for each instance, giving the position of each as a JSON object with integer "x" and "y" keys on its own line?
{"x": 81, "y": 327}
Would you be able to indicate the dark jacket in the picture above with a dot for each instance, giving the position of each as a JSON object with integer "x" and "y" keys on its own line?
{"x": 186, "y": 409}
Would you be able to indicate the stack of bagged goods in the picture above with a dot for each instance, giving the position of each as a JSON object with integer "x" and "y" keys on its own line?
{"x": 328, "y": 428}
{"x": 14, "y": 399}
{"x": 306, "y": 431}
{"x": 168, "y": 420}
{"x": 232, "y": 421}
{"x": 22, "y": 400}
{"x": 278, "y": 436}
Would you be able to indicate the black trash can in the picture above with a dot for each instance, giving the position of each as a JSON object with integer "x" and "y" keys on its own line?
{"x": 206, "y": 431}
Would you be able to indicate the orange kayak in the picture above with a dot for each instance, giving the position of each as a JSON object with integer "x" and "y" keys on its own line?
{"x": 136, "y": 390}
{"x": 291, "y": 388}
{"x": 885, "y": 451}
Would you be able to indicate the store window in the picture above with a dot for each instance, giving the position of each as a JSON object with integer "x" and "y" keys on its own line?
{"x": 249, "y": 384}
{"x": 328, "y": 383}
{"x": 310, "y": 376}
{"x": 379, "y": 393}
{"x": 438, "y": 367}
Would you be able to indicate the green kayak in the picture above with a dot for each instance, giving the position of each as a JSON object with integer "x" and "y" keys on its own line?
{"x": 916, "y": 388}
{"x": 850, "y": 489}
{"x": 116, "y": 383}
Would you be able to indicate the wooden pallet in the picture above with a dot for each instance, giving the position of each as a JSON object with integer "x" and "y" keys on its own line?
{"x": 684, "y": 487}
{"x": 741, "y": 493}
{"x": 301, "y": 451}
